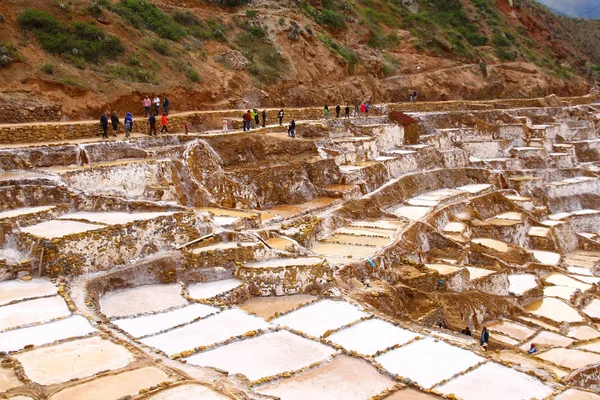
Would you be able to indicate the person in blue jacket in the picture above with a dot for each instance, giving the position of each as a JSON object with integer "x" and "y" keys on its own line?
{"x": 128, "y": 124}
{"x": 104, "y": 125}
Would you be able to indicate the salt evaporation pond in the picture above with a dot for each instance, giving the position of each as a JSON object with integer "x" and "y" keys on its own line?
{"x": 492, "y": 381}
{"x": 576, "y": 394}
{"x": 546, "y": 257}
{"x": 187, "y": 392}
{"x": 59, "y": 228}
{"x": 529, "y": 362}
{"x": 583, "y": 332}
{"x": 148, "y": 324}
{"x": 265, "y": 355}
{"x": 592, "y": 310}
{"x": 114, "y": 218}
{"x": 211, "y": 330}
{"x": 521, "y": 283}
{"x": 142, "y": 299}
{"x": 563, "y": 280}
{"x": 512, "y": 329}
{"x": 370, "y": 336}
{"x": 428, "y": 361}
{"x": 561, "y": 292}
{"x": 74, "y": 359}
{"x": 114, "y": 386}
{"x": 547, "y": 339}
{"x": 343, "y": 378}
{"x": 208, "y": 290}
{"x": 554, "y": 309}
{"x": 24, "y": 211}
{"x": 570, "y": 358}
{"x": 267, "y": 307}
{"x": 594, "y": 346}
{"x": 32, "y": 311}
{"x": 18, "y": 290}
{"x": 317, "y": 318}
{"x": 8, "y": 379}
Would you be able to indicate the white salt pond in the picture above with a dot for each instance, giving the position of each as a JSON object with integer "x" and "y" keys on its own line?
{"x": 114, "y": 386}
{"x": 570, "y": 358}
{"x": 18, "y": 290}
{"x": 576, "y": 394}
{"x": 492, "y": 244}
{"x": 428, "y": 361}
{"x": 554, "y": 309}
{"x": 547, "y": 339}
{"x": 594, "y": 346}
{"x": 317, "y": 318}
{"x": 211, "y": 330}
{"x": 583, "y": 332}
{"x": 71, "y": 327}
{"x": 74, "y": 359}
{"x": 521, "y": 283}
{"x": 413, "y": 213}
{"x": 208, "y": 290}
{"x": 188, "y": 392}
{"x": 370, "y": 336}
{"x": 512, "y": 329}
{"x": 32, "y": 311}
{"x": 561, "y": 292}
{"x": 546, "y": 257}
{"x": 563, "y": 280}
{"x": 493, "y": 381}
{"x": 114, "y": 218}
{"x": 267, "y": 307}
{"x": 265, "y": 355}
{"x": 526, "y": 361}
{"x": 286, "y": 262}
{"x": 476, "y": 273}
{"x": 344, "y": 250}
{"x": 592, "y": 310}
{"x": 8, "y": 379}
{"x": 59, "y": 228}
{"x": 24, "y": 211}
{"x": 148, "y": 324}
{"x": 343, "y": 378}
{"x": 142, "y": 299}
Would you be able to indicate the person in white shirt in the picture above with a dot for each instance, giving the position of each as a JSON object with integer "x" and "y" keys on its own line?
{"x": 156, "y": 102}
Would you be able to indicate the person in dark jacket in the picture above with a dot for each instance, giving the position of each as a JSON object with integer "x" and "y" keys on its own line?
{"x": 104, "y": 125}
{"x": 128, "y": 124}
{"x": 166, "y": 105}
{"x": 152, "y": 124}
{"x": 292, "y": 129}
{"x": 485, "y": 338}
{"x": 347, "y": 111}
{"x": 114, "y": 119}
{"x": 466, "y": 331}
{"x": 264, "y": 116}
{"x": 280, "y": 115}
{"x": 337, "y": 111}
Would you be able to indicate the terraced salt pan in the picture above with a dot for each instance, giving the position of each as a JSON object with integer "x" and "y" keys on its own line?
{"x": 413, "y": 213}
{"x": 476, "y": 273}
{"x": 279, "y": 243}
{"x": 443, "y": 269}
{"x": 59, "y": 228}
{"x": 428, "y": 361}
{"x": 267, "y": 307}
{"x": 350, "y": 230}
{"x": 285, "y": 262}
{"x": 492, "y": 244}
{"x": 223, "y": 246}
{"x": 74, "y": 359}
{"x": 554, "y": 309}
{"x": 580, "y": 271}
{"x": 8, "y": 379}
{"x": 334, "y": 380}
{"x": 214, "y": 329}
{"x": 529, "y": 362}
{"x": 539, "y": 323}
{"x": 208, "y": 290}
{"x": 583, "y": 332}
{"x": 148, "y": 324}
{"x": 141, "y": 299}
{"x": 561, "y": 292}
{"x": 187, "y": 392}
{"x": 475, "y": 188}
{"x": 317, "y": 318}
{"x": 24, "y": 211}
{"x": 71, "y": 327}
{"x": 115, "y": 218}
{"x": 18, "y": 290}
{"x": 493, "y": 381}
{"x": 32, "y": 311}
{"x": 370, "y": 336}
{"x": 512, "y": 329}
{"x": 570, "y": 358}
{"x": 547, "y": 339}
{"x": 265, "y": 355}
{"x": 563, "y": 280}
{"x": 592, "y": 280}
{"x": 329, "y": 250}
{"x": 357, "y": 240}
{"x": 592, "y": 310}
{"x": 114, "y": 386}
{"x": 505, "y": 339}
{"x": 594, "y": 346}
{"x": 411, "y": 394}
{"x": 546, "y": 257}
{"x": 575, "y": 394}
{"x": 380, "y": 224}
{"x": 521, "y": 283}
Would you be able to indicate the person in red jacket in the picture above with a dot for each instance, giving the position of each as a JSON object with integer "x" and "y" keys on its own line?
{"x": 247, "y": 121}
{"x": 163, "y": 122}
{"x": 363, "y": 109}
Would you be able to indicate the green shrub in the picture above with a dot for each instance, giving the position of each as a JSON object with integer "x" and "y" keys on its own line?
{"x": 331, "y": 19}
{"x": 379, "y": 40}
{"x": 281, "y": 21}
{"x": 38, "y": 20}
{"x": 129, "y": 74}
{"x": 161, "y": 47}
{"x": 349, "y": 55}
{"x": 8, "y": 54}
{"x": 266, "y": 63}
{"x": 212, "y": 29}
{"x": 134, "y": 60}
{"x": 258, "y": 31}
{"x": 145, "y": 14}
{"x": 505, "y": 54}
{"x": 188, "y": 71}
{"x": 47, "y": 68}
{"x": 308, "y": 29}
{"x": 251, "y": 13}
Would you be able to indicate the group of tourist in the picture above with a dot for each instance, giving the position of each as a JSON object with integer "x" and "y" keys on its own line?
{"x": 148, "y": 113}
{"x": 252, "y": 119}
{"x": 361, "y": 110}
{"x": 485, "y": 338}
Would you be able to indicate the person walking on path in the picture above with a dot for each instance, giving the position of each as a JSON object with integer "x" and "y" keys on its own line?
{"x": 485, "y": 338}
{"x": 147, "y": 103}
{"x": 156, "y": 102}
{"x": 152, "y": 125}
{"x": 185, "y": 128}
{"x": 256, "y": 118}
{"x": 337, "y": 111}
{"x": 347, "y": 111}
{"x": 292, "y": 129}
{"x": 104, "y": 125}
{"x": 356, "y": 110}
{"x": 264, "y": 117}
{"x": 326, "y": 112}
{"x": 128, "y": 124}
{"x": 367, "y": 108}
{"x": 114, "y": 119}
{"x": 410, "y": 96}
{"x": 166, "y": 105}
{"x": 363, "y": 109}
{"x": 414, "y": 95}
{"x": 225, "y": 128}
{"x": 163, "y": 123}
{"x": 280, "y": 115}
{"x": 248, "y": 120}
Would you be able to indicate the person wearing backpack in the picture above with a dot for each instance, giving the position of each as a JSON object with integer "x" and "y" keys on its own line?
{"x": 152, "y": 125}
{"x": 280, "y": 115}
{"x": 128, "y": 124}
{"x": 114, "y": 119}
{"x": 347, "y": 111}
{"x": 104, "y": 125}
{"x": 166, "y": 105}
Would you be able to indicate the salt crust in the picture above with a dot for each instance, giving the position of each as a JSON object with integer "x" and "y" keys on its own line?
{"x": 370, "y": 336}
{"x": 188, "y": 392}
{"x": 205, "y": 332}
{"x": 148, "y": 324}
{"x": 428, "y": 361}
{"x": 317, "y": 318}
{"x": 141, "y": 299}
{"x": 32, "y": 311}
{"x": 265, "y": 355}
{"x": 18, "y": 290}
{"x": 212, "y": 289}
{"x": 574, "y": 394}
{"x": 492, "y": 381}
{"x": 570, "y": 358}
{"x": 521, "y": 283}
{"x": 59, "y": 228}
{"x": 114, "y": 218}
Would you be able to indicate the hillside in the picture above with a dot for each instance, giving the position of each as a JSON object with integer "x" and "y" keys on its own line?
{"x": 90, "y": 56}
{"x": 575, "y": 8}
